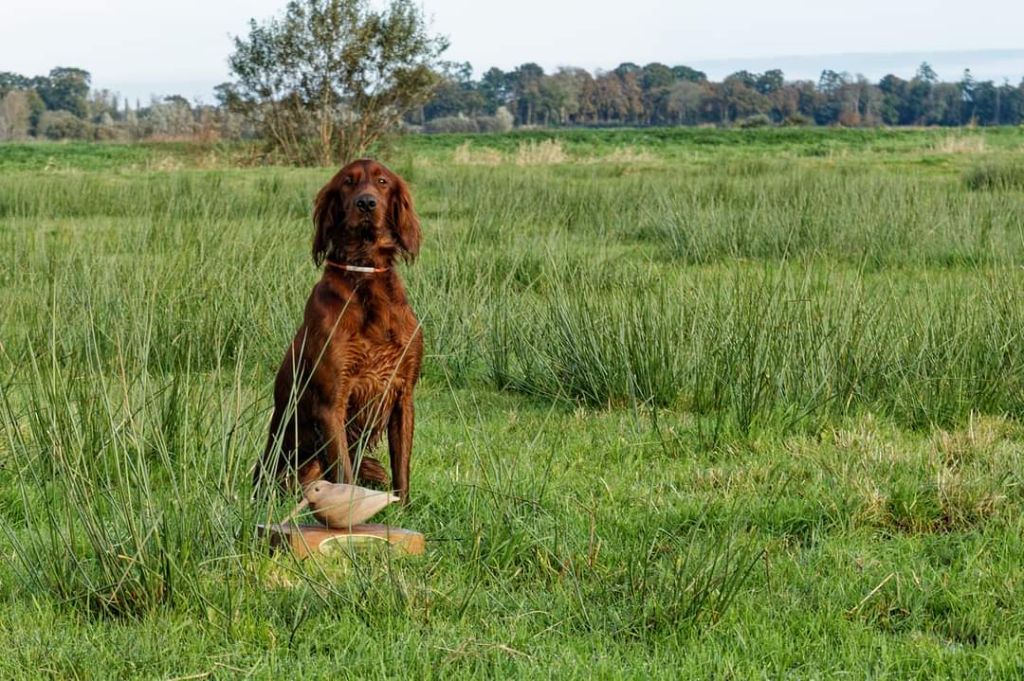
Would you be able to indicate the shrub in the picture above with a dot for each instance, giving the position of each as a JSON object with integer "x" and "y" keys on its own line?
{"x": 107, "y": 129}
{"x": 755, "y": 121}
{"x": 451, "y": 124}
{"x": 60, "y": 125}
{"x": 501, "y": 121}
{"x": 490, "y": 124}
{"x": 995, "y": 176}
{"x": 796, "y": 120}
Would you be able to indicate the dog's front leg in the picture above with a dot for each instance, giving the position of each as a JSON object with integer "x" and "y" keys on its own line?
{"x": 336, "y": 450}
{"x": 400, "y": 428}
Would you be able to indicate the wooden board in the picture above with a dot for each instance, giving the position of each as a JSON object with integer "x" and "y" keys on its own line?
{"x": 306, "y": 540}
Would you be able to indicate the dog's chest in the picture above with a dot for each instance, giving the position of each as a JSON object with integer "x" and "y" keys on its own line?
{"x": 374, "y": 367}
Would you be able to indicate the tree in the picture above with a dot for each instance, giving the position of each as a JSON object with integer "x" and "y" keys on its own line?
{"x": 171, "y": 117}
{"x": 610, "y": 104}
{"x": 690, "y": 74}
{"x": 986, "y": 102}
{"x": 633, "y": 94}
{"x": 626, "y": 67}
{"x": 745, "y": 78}
{"x": 831, "y": 81}
{"x": 496, "y": 89}
{"x": 831, "y": 85}
{"x": 13, "y": 81}
{"x": 101, "y": 103}
{"x": 657, "y": 75}
{"x": 966, "y": 97}
{"x": 926, "y": 73}
{"x": 655, "y": 94}
{"x": 739, "y": 97}
{"x": 770, "y": 81}
{"x": 894, "y": 100}
{"x": 919, "y": 101}
{"x": 226, "y": 95}
{"x": 655, "y": 80}
{"x": 456, "y": 93}
{"x": 525, "y": 81}
{"x": 65, "y": 89}
{"x": 15, "y": 114}
{"x": 684, "y": 100}
{"x": 562, "y": 93}
{"x": 947, "y": 104}
{"x": 329, "y": 78}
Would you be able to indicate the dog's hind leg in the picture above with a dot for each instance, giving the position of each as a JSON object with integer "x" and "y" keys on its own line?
{"x": 371, "y": 472}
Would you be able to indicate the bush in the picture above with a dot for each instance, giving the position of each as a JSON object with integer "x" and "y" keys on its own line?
{"x": 489, "y": 124}
{"x": 107, "y": 129}
{"x": 62, "y": 125}
{"x": 451, "y": 124}
{"x": 501, "y": 121}
{"x": 995, "y": 176}
{"x": 755, "y": 121}
{"x": 797, "y": 121}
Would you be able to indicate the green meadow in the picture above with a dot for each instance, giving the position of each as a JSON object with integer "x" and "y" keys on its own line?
{"x": 696, "y": 403}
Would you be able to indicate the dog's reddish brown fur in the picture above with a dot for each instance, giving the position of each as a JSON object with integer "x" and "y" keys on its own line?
{"x": 352, "y": 367}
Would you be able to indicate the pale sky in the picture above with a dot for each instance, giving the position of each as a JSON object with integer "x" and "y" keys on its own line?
{"x": 138, "y": 47}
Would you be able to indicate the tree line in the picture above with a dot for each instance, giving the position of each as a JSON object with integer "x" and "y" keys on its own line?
{"x": 657, "y": 94}
{"x": 326, "y": 79}
{"x": 64, "y": 105}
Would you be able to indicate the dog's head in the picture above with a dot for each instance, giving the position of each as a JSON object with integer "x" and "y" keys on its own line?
{"x": 364, "y": 211}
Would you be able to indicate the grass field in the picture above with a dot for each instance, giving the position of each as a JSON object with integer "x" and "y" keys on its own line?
{"x": 697, "y": 403}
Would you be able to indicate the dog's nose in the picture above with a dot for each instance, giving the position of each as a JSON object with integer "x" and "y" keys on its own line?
{"x": 366, "y": 203}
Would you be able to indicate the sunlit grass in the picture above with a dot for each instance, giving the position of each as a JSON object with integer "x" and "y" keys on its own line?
{"x": 732, "y": 403}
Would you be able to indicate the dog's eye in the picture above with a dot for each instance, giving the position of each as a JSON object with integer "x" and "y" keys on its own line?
{"x": 382, "y": 180}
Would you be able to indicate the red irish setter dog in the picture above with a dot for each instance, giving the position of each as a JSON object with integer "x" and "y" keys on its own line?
{"x": 352, "y": 367}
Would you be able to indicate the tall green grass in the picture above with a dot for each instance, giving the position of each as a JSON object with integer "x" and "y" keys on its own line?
{"x": 577, "y": 283}
{"x": 996, "y": 175}
{"x": 132, "y": 500}
{"x": 766, "y": 210}
{"x": 771, "y": 343}
{"x": 627, "y": 361}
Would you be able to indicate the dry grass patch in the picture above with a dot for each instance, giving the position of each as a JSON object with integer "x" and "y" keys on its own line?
{"x": 967, "y": 500}
{"x": 466, "y": 155}
{"x": 960, "y": 144}
{"x": 873, "y": 502}
{"x": 862, "y": 435}
{"x": 623, "y": 155}
{"x": 547, "y": 152}
{"x": 978, "y": 440}
{"x": 947, "y": 500}
{"x": 166, "y": 163}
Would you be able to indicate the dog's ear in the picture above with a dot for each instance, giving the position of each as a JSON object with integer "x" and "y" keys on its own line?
{"x": 327, "y": 214}
{"x": 404, "y": 221}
